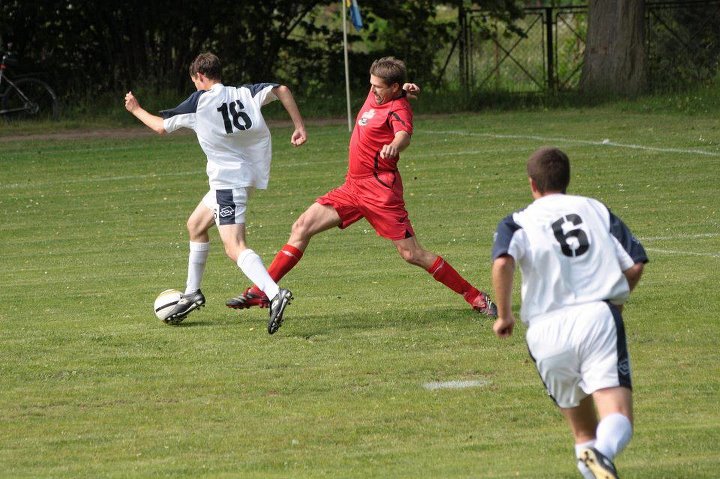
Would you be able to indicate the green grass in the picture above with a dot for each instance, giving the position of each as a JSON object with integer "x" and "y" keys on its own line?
{"x": 94, "y": 386}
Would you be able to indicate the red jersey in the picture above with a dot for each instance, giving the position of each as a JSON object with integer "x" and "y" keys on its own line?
{"x": 376, "y": 126}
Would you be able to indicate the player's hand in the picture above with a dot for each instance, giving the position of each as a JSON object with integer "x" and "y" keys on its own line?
{"x": 503, "y": 327}
{"x": 298, "y": 137}
{"x": 412, "y": 90}
{"x": 131, "y": 103}
{"x": 389, "y": 151}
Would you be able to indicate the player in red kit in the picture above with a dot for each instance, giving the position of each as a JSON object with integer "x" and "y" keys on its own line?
{"x": 372, "y": 190}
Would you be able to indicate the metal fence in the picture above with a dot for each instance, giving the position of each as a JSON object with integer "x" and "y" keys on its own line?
{"x": 547, "y": 56}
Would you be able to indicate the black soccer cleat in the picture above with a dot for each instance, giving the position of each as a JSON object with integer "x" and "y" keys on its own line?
{"x": 598, "y": 464}
{"x": 188, "y": 303}
{"x": 277, "y": 308}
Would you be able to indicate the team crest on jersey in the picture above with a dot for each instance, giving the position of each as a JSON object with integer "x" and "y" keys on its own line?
{"x": 366, "y": 117}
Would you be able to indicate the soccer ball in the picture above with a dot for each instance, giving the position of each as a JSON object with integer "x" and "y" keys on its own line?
{"x": 165, "y": 302}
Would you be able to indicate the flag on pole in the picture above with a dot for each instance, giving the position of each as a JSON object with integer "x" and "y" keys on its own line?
{"x": 355, "y": 17}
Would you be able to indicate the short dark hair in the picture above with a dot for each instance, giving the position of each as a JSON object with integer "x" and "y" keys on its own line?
{"x": 208, "y": 64}
{"x": 390, "y": 70}
{"x": 549, "y": 167}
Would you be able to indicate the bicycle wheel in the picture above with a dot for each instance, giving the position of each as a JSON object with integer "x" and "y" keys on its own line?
{"x": 39, "y": 103}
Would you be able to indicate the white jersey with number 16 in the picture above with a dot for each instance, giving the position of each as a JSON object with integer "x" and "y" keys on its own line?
{"x": 231, "y": 131}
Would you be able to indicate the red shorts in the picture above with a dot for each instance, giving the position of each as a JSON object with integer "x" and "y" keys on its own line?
{"x": 378, "y": 200}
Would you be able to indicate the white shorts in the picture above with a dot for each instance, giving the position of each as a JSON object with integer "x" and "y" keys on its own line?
{"x": 228, "y": 206}
{"x": 578, "y": 350}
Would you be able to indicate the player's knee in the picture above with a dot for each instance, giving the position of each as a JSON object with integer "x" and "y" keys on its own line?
{"x": 190, "y": 225}
{"x": 300, "y": 229}
{"x": 195, "y": 229}
{"x": 409, "y": 255}
{"x": 231, "y": 252}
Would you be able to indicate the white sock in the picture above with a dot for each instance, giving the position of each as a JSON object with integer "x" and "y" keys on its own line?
{"x": 196, "y": 265}
{"x": 581, "y": 465}
{"x": 613, "y": 434}
{"x": 251, "y": 264}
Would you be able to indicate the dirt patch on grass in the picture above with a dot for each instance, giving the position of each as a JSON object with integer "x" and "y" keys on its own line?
{"x": 135, "y": 132}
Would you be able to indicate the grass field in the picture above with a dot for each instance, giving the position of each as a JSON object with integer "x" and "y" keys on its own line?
{"x": 92, "y": 385}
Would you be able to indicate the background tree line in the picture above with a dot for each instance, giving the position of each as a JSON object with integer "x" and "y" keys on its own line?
{"x": 87, "y": 48}
{"x": 93, "y": 47}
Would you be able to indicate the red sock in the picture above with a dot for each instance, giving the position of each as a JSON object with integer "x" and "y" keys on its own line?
{"x": 446, "y": 274}
{"x": 284, "y": 261}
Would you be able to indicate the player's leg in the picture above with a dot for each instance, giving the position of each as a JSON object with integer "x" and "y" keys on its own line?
{"x": 316, "y": 219}
{"x": 411, "y": 251}
{"x": 233, "y": 238}
{"x": 583, "y": 424}
{"x": 606, "y": 374}
{"x": 231, "y": 226}
{"x": 251, "y": 265}
{"x": 554, "y": 345}
{"x": 613, "y": 432}
{"x": 198, "y": 225}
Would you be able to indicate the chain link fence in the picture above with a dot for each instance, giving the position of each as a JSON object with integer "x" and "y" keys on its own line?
{"x": 545, "y": 52}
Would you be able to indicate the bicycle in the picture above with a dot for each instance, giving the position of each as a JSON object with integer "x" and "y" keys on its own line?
{"x": 26, "y": 97}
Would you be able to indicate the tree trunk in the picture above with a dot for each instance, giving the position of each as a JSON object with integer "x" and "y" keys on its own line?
{"x": 615, "y": 48}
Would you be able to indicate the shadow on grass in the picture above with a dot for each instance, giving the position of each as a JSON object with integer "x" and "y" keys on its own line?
{"x": 316, "y": 325}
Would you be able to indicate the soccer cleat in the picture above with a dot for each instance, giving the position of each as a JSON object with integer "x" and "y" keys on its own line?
{"x": 598, "y": 464}
{"x": 277, "y": 308}
{"x": 188, "y": 303}
{"x": 483, "y": 304}
{"x": 248, "y": 300}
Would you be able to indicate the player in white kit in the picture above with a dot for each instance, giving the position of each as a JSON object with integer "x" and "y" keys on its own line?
{"x": 233, "y": 135}
{"x": 579, "y": 263}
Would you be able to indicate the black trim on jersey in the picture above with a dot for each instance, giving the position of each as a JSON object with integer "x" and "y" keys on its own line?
{"x": 623, "y": 364}
{"x": 397, "y": 117}
{"x": 629, "y": 243}
{"x": 504, "y": 233}
{"x": 188, "y": 106}
{"x": 256, "y": 88}
{"x": 376, "y": 168}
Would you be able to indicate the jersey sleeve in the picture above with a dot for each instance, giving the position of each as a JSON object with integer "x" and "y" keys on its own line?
{"x": 503, "y": 239}
{"x": 261, "y": 93}
{"x": 625, "y": 238}
{"x": 183, "y": 115}
{"x": 401, "y": 119}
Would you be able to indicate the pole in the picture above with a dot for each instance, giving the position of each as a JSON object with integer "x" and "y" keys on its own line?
{"x": 550, "y": 50}
{"x": 347, "y": 72}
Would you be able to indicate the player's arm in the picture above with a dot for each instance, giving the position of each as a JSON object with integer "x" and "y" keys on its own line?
{"x": 285, "y": 96}
{"x": 633, "y": 274}
{"x": 399, "y": 143}
{"x": 503, "y": 270}
{"x": 153, "y": 122}
{"x": 412, "y": 90}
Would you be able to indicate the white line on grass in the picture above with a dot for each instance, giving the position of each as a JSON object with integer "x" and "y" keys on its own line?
{"x": 683, "y": 253}
{"x": 677, "y": 237}
{"x": 474, "y": 383}
{"x": 570, "y": 140}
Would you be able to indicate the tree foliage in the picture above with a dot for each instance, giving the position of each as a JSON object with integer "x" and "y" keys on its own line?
{"x": 92, "y": 47}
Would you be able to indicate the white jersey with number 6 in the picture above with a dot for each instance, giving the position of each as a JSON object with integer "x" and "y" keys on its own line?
{"x": 232, "y": 132}
{"x": 571, "y": 250}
